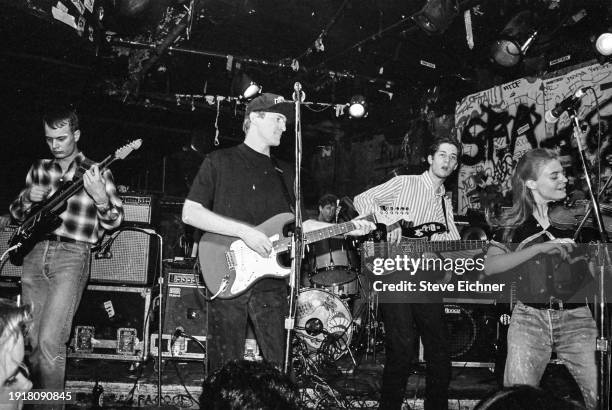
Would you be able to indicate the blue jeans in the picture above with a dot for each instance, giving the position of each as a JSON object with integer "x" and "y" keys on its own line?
{"x": 54, "y": 277}
{"x": 535, "y": 333}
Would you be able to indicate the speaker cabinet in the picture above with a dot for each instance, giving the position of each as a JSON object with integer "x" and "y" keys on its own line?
{"x": 7, "y": 269}
{"x": 473, "y": 332}
{"x": 131, "y": 260}
{"x": 184, "y": 301}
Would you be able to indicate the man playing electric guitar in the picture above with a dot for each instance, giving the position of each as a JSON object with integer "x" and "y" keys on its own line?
{"x": 425, "y": 198}
{"x": 56, "y": 270}
{"x": 234, "y": 190}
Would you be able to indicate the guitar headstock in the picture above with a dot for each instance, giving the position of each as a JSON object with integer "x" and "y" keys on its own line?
{"x": 127, "y": 149}
{"x": 389, "y": 215}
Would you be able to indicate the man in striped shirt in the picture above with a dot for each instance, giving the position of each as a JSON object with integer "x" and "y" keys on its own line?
{"x": 56, "y": 270}
{"x": 425, "y": 200}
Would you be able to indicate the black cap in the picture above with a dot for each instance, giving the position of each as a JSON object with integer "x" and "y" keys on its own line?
{"x": 268, "y": 102}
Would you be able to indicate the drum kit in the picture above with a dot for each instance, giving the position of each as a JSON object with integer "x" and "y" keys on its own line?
{"x": 334, "y": 304}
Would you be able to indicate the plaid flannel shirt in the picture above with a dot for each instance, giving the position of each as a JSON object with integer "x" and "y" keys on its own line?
{"x": 82, "y": 220}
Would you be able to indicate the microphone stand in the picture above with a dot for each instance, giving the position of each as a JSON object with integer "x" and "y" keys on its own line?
{"x": 297, "y": 243}
{"x": 603, "y": 342}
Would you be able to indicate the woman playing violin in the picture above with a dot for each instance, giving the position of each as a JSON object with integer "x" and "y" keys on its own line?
{"x": 548, "y": 316}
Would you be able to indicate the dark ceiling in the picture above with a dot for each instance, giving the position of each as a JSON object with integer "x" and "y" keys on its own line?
{"x": 135, "y": 72}
{"x": 138, "y": 52}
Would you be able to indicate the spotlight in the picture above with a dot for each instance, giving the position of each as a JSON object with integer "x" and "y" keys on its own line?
{"x": 358, "y": 107}
{"x": 603, "y": 44}
{"x": 515, "y": 39}
{"x": 244, "y": 86}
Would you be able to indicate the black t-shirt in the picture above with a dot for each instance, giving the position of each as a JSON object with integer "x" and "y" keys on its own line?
{"x": 546, "y": 275}
{"x": 243, "y": 184}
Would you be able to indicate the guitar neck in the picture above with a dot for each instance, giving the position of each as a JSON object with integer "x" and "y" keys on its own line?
{"x": 75, "y": 187}
{"x": 320, "y": 234}
{"x": 439, "y": 246}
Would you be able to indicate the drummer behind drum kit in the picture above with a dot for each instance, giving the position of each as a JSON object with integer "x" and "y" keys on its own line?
{"x": 333, "y": 304}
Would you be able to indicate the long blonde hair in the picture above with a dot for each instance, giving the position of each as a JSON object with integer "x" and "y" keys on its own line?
{"x": 528, "y": 167}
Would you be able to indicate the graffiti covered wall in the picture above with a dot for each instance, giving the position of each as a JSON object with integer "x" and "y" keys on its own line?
{"x": 496, "y": 127}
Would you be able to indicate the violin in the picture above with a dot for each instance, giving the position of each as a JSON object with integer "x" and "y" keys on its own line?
{"x": 568, "y": 216}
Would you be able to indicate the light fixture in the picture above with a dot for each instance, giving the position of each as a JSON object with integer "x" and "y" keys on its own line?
{"x": 515, "y": 39}
{"x": 358, "y": 107}
{"x": 603, "y": 44}
{"x": 244, "y": 87}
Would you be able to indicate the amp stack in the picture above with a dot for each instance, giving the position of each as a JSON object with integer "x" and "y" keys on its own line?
{"x": 116, "y": 311}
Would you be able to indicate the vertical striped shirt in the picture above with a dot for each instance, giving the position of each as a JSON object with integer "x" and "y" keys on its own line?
{"x": 82, "y": 220}
{"x": 417, "y": 194}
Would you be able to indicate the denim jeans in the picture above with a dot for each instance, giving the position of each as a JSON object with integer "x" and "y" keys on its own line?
{"x": 535, "y": 333}
{"x": 227, "y": 324}
{"x": 54, "y": 277}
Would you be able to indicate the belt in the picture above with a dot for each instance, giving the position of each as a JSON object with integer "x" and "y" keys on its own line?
{"x": 58, "y": 238}
{"x": 555, "y": 304}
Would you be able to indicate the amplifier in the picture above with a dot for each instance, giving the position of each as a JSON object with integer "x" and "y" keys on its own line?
{"x": 7, "y": 269}
{"x": 184, "y": 301}
{"x": 473, "y": 331}
{"x": 132, "y": 260}
{"x": 111, "y": 322}
{"x": 141, "y": 208}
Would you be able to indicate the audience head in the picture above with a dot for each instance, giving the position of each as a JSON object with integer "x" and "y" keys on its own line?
{"x": 243, "y": 384}
{"x": 14, "y": 375}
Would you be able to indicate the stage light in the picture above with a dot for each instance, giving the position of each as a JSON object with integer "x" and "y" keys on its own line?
{"x": 244, "y": 87}
{"x": 603, "y": 44}
{"x": 515, "y": 39}
{"x": 358, "y": 107}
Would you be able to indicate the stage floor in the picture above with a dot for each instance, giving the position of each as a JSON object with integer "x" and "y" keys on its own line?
{"x": 131, "y": 385}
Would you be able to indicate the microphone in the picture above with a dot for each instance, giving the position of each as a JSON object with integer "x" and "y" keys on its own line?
{"x": 297, "y": 87}
{"x": 552, "y": 116}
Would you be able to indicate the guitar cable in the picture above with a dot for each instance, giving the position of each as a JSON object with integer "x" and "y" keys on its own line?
{"x": 12, "y": 248}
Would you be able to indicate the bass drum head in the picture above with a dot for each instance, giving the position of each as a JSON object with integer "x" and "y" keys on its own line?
{"x": 323, "y": 322}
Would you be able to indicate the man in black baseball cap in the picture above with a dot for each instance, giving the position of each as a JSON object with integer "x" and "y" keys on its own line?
{"x": 268, "y": 102}
{"x": 235, "y": 190}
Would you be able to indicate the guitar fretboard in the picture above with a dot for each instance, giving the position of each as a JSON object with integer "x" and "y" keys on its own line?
{"x": 419, "y": 246}
{"x": 320, "y": 234}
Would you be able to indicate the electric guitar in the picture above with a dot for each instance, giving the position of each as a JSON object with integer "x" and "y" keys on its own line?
{"x": 44, "y": 217}
{"x": 415, "y": 244}
{"x": 230, "y": 267}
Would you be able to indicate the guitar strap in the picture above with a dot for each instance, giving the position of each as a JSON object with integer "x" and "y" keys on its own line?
{"x": 82, "y": 168}
{"x": 444, "y": 212}
{"x": 279, "y": 172}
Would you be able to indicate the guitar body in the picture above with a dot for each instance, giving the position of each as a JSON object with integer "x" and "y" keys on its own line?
{"x": 228, "y": 262}
{"x": 35, "y": 227}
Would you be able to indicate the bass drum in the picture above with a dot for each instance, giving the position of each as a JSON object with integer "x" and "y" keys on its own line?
{"x": 323, "y": 322}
